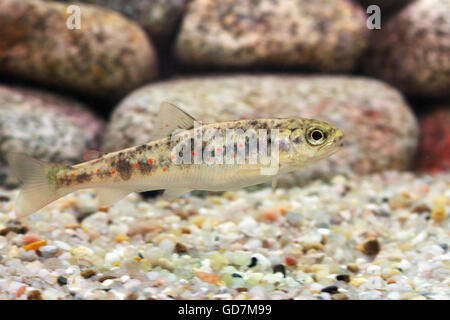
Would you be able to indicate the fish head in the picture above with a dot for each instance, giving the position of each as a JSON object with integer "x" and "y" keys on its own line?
{"x": 314, "y": 140}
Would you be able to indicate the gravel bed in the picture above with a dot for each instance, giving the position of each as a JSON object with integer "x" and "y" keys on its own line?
{"x": 383, "y": 236}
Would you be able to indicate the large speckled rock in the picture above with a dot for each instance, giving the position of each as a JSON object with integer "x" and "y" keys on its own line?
{"x": 45, "y": 126}
{"x": 412, "y": 51}
{"x": 108, "y": 56}
{"x": 157, "y": 17}
{"x": 326, "y": 35}
{"x": 434, "y": 144}
{"x": 380, "y": 130}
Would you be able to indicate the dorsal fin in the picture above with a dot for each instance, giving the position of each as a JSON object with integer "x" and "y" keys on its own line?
{"x": 169, "y": 119}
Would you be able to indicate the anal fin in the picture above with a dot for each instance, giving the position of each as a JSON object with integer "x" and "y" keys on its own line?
{"x": 109, "y": 196}
{"x": 172, "y": 194}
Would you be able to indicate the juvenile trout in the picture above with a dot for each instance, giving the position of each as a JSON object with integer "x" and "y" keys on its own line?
{"x": 182, "y": 156}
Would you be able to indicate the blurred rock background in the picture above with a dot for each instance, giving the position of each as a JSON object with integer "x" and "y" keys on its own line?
{"x": 63, "y": 92}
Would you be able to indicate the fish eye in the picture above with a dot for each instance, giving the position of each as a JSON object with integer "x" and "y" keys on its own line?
{"x": 316, "y": 136}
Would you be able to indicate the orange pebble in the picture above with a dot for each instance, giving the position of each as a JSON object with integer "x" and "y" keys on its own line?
{"x": 29, "y": 238}
{"x": 272, "y": 215}
{"x": 21, "y": 291}
{"x": 208, "y": 277}
{"x": 122, "y": 238}
{"x": 290, "y": 261}
{"x": 35, "y": 245}
{"x": 160, "y": 282}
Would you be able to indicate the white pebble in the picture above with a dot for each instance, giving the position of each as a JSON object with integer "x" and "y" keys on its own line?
{"x": 294, "y": 218}
{"x": 323, "y": 231}
{"x": 404, "y": 264}
{"x": 111, "y": 258}
{"x": 71, "y": 270}
{"x": 152, "y": 275}
{"x": 167, "y": 245}
{"x": 253, "y": 244}
{"x": 62, "y": 245}
{"x": 48, "y": 251}
{"x": 107, "y": 283}
{"x": 43, "y": 273}
{"x": 154, "y": 254}
{"x": 247, "y": 225}
{"x": 315, "y": 287}
{"x": 393, "y": 295}
{"x": 132, "y": 284}
{"x": 370, "y": 295}
{"x": 262, "y": 262}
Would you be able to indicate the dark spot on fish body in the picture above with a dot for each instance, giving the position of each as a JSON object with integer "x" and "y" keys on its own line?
{"x": 124, "y": 169}
{"x": 145, "y": 167}
{"x": 141, "y": 148}
{"x": 64, "y": 181}
{"x": 83, "y": 177}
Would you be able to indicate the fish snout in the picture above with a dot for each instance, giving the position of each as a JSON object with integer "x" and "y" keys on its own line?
{"x": 339, "y": 139}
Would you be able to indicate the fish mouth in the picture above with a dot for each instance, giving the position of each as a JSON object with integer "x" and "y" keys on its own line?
{"x": 335, "y": 144}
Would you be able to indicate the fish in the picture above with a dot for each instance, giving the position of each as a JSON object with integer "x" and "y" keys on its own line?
{"x": 183, "y": 155}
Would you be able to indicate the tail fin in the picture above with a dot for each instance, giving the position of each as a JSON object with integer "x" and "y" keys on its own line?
{"x": 36, "y": 192}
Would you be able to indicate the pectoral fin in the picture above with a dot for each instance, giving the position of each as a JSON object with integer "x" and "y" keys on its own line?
{"x": 172, "y": 194}
{"x": 109, "y": 196}
{"x": 274, "y": 183}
